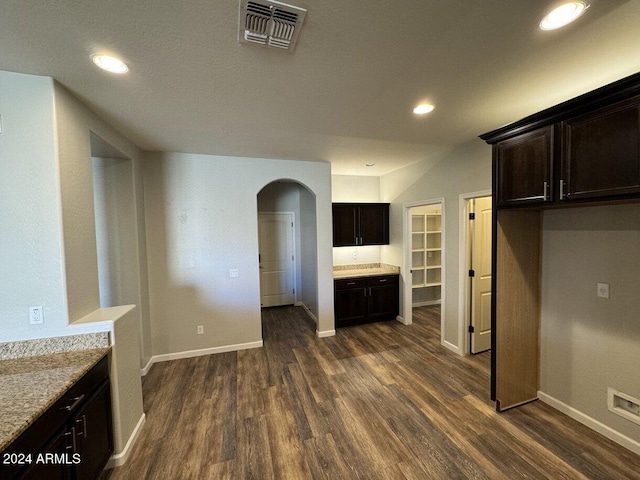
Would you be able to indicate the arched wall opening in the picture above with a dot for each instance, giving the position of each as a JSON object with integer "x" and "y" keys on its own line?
{"x": 287, "y": 196}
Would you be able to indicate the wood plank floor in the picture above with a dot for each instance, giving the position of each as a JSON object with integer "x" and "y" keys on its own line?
{"x": 380, "y": 401}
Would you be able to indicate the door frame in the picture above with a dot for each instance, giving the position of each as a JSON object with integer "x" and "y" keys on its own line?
{"x": 407, "y": 302}
{"x": 292, "y": 215}
{"x": 464, "y": 282}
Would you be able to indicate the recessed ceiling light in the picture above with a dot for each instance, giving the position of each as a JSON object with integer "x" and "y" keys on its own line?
{"x": 423, "y": 108}
{"x": 563, "y": 15}
{"x": 369, "y": 164}
{"x": 110, "y": 64}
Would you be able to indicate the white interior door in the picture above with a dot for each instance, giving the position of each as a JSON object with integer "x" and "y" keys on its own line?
{"x": 275, "y": 232}
{"x": 480, "y": 230}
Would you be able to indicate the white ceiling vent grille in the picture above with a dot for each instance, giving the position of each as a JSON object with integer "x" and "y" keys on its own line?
{"x": 270, "y": 23}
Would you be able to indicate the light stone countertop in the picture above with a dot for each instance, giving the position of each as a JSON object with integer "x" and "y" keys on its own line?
{"x": 364, "y": 270}
{"x": 30, "y": 385}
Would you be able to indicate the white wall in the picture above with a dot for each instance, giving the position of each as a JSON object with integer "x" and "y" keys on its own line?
{"x": 48, "y": 242}
{"x": 466, "y": 169}
{"x": 74, "y": 125}
{"x": 309, "y": 252}
{"x": 126, "y": 391}
{"x": 355, "y": 188}
{"x": 590, "y": 343}
{"x": 201, "y": 214}
{"x": 31, "y": 269}
{"x": 113, "y": 196}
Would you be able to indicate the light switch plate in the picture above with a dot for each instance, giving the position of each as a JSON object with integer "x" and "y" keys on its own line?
{"x": 603, "y": 290}
{"x": 233, "y": 273}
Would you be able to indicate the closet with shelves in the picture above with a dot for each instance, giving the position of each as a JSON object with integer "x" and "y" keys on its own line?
{"x": 426, "y": 255}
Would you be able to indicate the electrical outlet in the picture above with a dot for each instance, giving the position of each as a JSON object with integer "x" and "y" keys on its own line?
{"x": 603, "y": 290}
{"x": 200, "y": 329}
{"x": 233, "y": 273}
{"x": 36, "y": 315}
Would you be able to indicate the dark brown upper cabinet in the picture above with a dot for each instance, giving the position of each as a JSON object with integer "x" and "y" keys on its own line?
{"x": 356, "y": 224}
{"x": 524, "y": 167}
{"x": 586, "y": 149}
{"x": 601, "y": 153}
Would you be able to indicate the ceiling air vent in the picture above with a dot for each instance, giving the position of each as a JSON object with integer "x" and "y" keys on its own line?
{"x": 270, "y": 23}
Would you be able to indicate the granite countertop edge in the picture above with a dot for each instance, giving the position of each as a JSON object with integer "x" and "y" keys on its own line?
{"x": 364, "y": 270}
{"x": 30, "y": 385}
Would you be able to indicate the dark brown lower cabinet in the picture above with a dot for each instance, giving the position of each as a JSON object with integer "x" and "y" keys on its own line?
{"x": 366, "y": 299}
{"x": 94, "y": 443}
{"x": 73, "y": 439}
{"x": 58, "y": 447}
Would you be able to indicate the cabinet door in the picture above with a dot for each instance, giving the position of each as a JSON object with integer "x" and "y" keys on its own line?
{"x": 601, "y": 152}
{"x": 524, "y": 166}
{"x": 61, "y": 448}
{"x": 383, "y": 298}
{"x": 94, "y": 439}
{"x": 350, "y": 302}
{"x": 345, "y": 220}
{"x": 374, "y": 224}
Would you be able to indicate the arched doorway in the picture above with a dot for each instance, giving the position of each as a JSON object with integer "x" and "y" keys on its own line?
{"x": 279, "y": 202}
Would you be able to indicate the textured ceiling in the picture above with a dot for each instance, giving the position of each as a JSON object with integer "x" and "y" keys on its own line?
{"x": 346, "y": 92}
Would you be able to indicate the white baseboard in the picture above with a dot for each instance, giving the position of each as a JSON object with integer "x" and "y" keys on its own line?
{"x": 325, "y": 333}
{"x": 146, "y": 368}
{"x": 204, "y": 351}
{"x": 592, "y": 423}
{"x": 403, "y": 321}
{"x": 119, "y": 459}
{"x": 451, "y": 346}
{"x": 309, "y": 312}
{"x": 427, "y": 303}
{"x": 319, "y": 334}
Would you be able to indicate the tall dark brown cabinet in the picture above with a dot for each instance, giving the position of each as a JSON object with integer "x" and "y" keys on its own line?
{"x": 583, "y": 151}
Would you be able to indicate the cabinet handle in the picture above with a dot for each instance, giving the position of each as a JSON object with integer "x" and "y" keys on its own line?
{"x": 351, "y": 283}
{"x": 73, "y": 438}
{"x": 82, "y": 420}
{"x": 562, "y": 184}
{"x": 384, "y": 280}
{"x": 75, "y": 403}
{"x": 546, "y": 191}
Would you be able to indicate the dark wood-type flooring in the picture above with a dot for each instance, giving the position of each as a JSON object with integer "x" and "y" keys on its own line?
{"x": 380, "y": 401}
